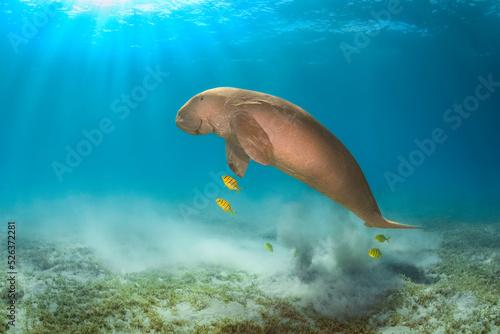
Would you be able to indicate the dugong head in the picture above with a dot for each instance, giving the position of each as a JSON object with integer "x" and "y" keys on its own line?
{"x": 197, "y": 115}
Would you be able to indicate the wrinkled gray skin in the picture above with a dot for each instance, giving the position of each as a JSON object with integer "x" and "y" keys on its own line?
{"x": 273, "y": 131}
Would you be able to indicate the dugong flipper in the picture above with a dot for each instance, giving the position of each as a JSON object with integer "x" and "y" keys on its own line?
{"x": 237, "y": 159}
{"x": 273, "y": 131}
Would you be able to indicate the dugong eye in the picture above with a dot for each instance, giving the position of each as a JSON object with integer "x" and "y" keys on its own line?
{"x": 201, "y": 98}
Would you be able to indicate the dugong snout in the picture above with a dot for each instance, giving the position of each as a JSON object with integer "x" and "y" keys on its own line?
{"x": 192, "y": 125}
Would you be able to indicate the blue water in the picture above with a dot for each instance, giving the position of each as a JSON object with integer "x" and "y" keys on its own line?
{"x": 96, "y": 174}
{"x": 379, "y": 75}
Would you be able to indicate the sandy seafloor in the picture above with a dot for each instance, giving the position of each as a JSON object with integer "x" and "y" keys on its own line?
{"x": 66, "y": 286}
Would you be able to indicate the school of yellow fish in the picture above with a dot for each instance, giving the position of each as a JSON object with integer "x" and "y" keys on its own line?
{"x": 233, "y": 185}
{"x": 375, "y": 252}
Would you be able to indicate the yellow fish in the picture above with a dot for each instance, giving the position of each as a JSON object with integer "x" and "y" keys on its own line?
{"x": 382, "y": 238}
{"x": 231, "y": 183}
{"x": 269, "y": 247}
{"x": 375, "y": 252}
{"x": 225, "y": 206}
{"x": 296, "y": 254}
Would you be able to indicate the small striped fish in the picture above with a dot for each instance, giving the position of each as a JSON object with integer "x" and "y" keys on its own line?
{"x": 231, "y": 183}
{"x": 375, "y": 252}
{"x": 382, "y": 238}
{"x": 225, "y": 206}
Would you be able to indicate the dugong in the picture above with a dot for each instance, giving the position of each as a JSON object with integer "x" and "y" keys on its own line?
{"x": 273, "y": 131}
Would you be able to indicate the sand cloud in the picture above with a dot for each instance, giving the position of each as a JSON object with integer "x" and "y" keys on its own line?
{"x": 331, "y": 275}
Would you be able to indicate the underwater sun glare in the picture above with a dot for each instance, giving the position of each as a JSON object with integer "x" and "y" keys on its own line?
{"x": 106, "y": 10}
{"x": 108, "y": 2}
{"x": 126, "y": 3}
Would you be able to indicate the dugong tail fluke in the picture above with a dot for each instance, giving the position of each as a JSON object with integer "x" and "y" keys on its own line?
{"x": 384, "y": 223}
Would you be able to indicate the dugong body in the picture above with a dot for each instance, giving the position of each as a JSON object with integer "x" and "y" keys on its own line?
{"x": 273, "y": 131}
